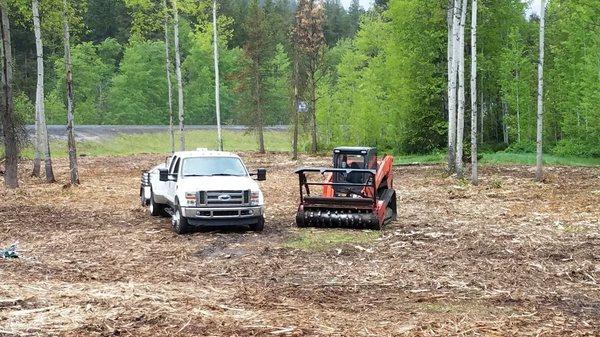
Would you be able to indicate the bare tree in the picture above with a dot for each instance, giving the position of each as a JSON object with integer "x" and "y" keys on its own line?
{"x": 539, "y": 174}
{"x": 474, "y": 177}
{"x": 169, "y": 84}
{"x": 8, "y": 119}
{"x": 460, "y": 115}
{"x": 42, "y": 134}
{"x": 452, "y": 82}
{"x": 73, "y": 170}
{"x": 310, "y": 39}
{"x": 178, "y": 74}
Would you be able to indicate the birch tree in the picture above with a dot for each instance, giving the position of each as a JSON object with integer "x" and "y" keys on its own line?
{"x": 452, "y": 83}
{"x": 168, "y": 70}
{"x": 540, "y": 112}
{"x": 42, "y": 141}
{"x": 474, "y": 177}
{"x": 8, "y": 118}
{"x": 73, "y": 170}
{"x": 178, "y": 74}
{"x": 460, "y": 115}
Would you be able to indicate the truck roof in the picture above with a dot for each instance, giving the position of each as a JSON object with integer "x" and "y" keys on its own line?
{"x": 204, "y": 153}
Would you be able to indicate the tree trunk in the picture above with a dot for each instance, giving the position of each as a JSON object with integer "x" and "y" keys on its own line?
{"x": 11, "y": 179}
{"x": 504, "y": 125}
{"x": 539, "y": 174}
{"x": 36, "y": 157}
{"x": 178, "y": 73}
{"x": 518, "y": 111}
{"x": 474, "y": 177}
{"x": 452, "y": 86}
{"x": 217, "y": 81}
{"x": 169, "y": 84}
{"x": 73, "y": 170}
{"x": 259, "y": 112}
{"x": 38, "y": 132}
{"x": 481, "y": 115}
{"x": 295, "y": 111}
{"x": 460, "y": 116}
{"x": 39, "y": 97}
{"x": 313, "y": 110}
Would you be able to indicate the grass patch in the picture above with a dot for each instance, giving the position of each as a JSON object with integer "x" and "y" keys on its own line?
{"x": 124, "y": 145}
{"x": 529, "y": 159}
{"x": 315, "y": 240}
{"x": 433, "y": 158}
{"x": 501, "y": 158}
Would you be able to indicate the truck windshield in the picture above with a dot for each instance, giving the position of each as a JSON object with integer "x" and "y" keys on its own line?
{"x": 213, "y": 166}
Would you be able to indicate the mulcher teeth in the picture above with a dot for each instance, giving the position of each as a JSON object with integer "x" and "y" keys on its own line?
{"x": 337, "y": 218}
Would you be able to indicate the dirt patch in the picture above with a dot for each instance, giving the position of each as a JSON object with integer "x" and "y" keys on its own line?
{"x": 508, "y": 257}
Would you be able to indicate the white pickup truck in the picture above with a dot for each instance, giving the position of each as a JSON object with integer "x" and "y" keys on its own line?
{"x": 204, "y": 188}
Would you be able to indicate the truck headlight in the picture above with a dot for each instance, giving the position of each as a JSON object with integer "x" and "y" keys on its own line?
{"x": 190, "y": 199}
{"x": 255, "y": 198}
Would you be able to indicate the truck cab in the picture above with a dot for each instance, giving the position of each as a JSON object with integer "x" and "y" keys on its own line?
{"x": 204, "y": 188}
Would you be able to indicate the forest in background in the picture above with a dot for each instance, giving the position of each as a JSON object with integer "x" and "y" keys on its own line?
{"x": 381, "y": 78}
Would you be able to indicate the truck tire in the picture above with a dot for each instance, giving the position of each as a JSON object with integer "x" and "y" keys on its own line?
{"x": 259, "y": 226}
{"x": 179, "y": 222}
{"x": 154, "y": 208}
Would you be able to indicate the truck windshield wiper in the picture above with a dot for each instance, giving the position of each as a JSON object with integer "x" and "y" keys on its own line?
{"x": 197, "y": 175}
{"x": 225, "y": 175}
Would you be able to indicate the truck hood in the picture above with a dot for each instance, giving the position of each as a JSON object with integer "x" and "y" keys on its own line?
{"x": 216, "y": 183}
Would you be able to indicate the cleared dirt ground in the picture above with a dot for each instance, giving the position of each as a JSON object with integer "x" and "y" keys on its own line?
{"x": 509, "y": 257}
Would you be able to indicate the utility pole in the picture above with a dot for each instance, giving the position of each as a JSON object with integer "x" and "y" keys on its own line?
{"x": 217, "y": 84}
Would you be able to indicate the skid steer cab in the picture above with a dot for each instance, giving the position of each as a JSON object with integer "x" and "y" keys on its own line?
{"x": 356, "y": 193}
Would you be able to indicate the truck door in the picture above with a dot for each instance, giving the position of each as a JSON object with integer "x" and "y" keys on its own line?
{"x": 173, "y": 177}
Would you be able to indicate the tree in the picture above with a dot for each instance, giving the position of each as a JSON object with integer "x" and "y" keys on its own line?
{"x": 310, "y": 42}
{"x": 178, "y": 74}
{"x": 259, "y": 50}
{"x": 474, "y": 177}
{"x": 460, "y": 115}
{"x": 168, "y": 70}
{"x": 11, "y": 179}
{"x": 452, "y": 84}
{"x": 540, "y": 113}
{"x": 73, "y": 170}
{"x": 42, "y": 142}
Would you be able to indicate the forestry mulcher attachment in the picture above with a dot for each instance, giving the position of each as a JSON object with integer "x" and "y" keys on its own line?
{"x": 356, "y": 193}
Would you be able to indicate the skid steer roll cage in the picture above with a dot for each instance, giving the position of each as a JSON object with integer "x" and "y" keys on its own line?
{"x": 304, "y": 183}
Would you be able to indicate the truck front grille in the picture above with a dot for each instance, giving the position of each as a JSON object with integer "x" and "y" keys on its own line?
{"x": 224, "y": 198}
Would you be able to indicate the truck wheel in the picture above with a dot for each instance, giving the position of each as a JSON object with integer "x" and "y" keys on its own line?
{"x": 259, "y": 226}
{"x": 179, "y": 222}
{"x": 155, "y": 208}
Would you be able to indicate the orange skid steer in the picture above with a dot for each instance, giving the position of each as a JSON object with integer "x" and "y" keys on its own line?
{"x": 356, "y": 193}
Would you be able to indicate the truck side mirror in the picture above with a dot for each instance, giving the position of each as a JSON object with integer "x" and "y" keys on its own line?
{"x": 163, "y": 174}
{"x": 261, "y": 174}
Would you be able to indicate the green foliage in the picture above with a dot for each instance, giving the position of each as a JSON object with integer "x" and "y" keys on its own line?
{"x": 199, "y": 69}
{"x": 93, "y": 69}
{"x": 138, "y": 91}
{"x": 573, "y": 86}
{"x": 388, "y": 87}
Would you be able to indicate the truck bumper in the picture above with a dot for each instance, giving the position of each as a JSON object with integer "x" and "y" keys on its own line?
{"x": 223, "y": 216}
